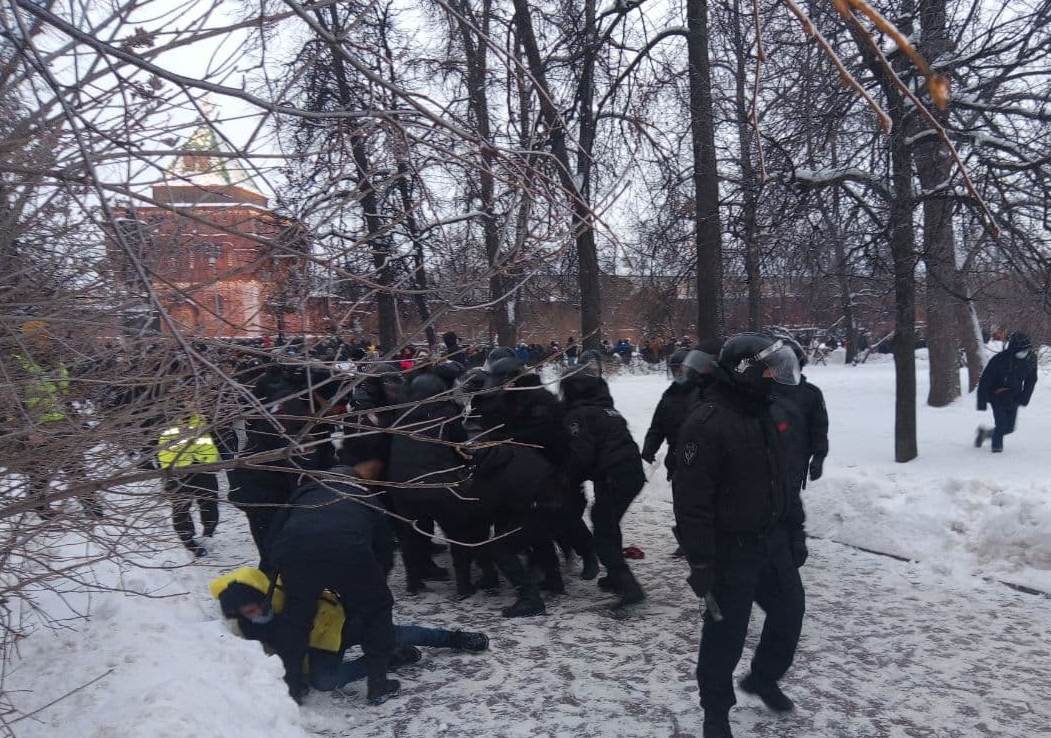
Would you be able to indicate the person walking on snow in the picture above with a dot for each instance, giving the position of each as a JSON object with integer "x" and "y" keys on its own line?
{"x": 180, "y": 446}
{"x": 730, "y": 502}
{"x": 1007, "y": 384}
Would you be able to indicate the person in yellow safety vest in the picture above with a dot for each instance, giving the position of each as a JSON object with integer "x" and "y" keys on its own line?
{"x": 44, "y": 381}
{"x": 185, "y": 445}
{"x": 243, "y": 596}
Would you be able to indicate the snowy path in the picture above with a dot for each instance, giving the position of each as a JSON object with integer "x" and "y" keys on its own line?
{"x": 889, "y": 650}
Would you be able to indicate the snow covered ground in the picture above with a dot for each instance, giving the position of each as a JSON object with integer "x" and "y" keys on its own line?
{"x": 890, "y": 649}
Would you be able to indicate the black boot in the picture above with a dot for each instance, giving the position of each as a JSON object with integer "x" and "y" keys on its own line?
{"x": 415, "y": 586}
{"x": 490, "y": 581}
{"x": 590, "y": 569}
{"x": 405, "y": 656}
{"x": 435, "y": 573}
{"x": 464, "y": 587}
{"x": 979, "y": 439}
{"x": 196, "y": 549}
{"x": 630, "y": 591}
{"x": 717, "y": 726}
{"x": 553, "y": 583}
{"x": 768, "y": 692}
{"x": 527, "y": 605}
{"x": 608, "y": 584}
{"x": 463, "y": 640}
{"x": 381, "y": 691}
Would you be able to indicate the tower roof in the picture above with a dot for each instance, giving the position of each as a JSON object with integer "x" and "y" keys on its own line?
{"x": 208, "y": 172}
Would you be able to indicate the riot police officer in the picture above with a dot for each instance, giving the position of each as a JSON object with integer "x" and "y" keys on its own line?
{"x": 730, "y": 501}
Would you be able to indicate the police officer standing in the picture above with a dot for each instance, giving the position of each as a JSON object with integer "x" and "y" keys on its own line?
{"x": 730, "y": 500}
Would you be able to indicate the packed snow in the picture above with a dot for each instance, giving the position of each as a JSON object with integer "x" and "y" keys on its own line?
{"x": 929, "y": 647}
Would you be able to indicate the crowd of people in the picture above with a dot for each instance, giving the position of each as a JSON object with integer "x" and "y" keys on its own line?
{"x": 344, "y": 467}
{"x": 494, "y": 464}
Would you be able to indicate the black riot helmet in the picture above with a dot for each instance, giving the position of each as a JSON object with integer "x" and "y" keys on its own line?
{"x": 426, "y": 386}
{"x": 381, "y": 387}
{"x": 449, "y": 371}
{"x": 498, "y": 353}
{"x": 788, "y": 338}
{"x": 748, "y": 358}
{"x": 699, "y": 363}
{"x": 504, "y": 370}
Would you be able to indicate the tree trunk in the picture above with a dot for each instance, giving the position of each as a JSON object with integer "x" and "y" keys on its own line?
{"x": 708, "y": 231}
{"x": 379, "y": 242}
{"x": 902, "y": 252}
{"x": 476, "y": 57}
{"x": 934, "y": 168}
{"x": 588, "y": 274}
{"x": 419, "y": 271}
{"x": 749, "y": 179}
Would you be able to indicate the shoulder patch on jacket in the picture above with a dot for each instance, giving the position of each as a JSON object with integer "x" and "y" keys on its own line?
{"x": 574, "y": 429}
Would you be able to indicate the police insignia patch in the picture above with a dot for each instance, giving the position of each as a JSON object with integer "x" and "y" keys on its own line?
{"x": 574, "y": 429}
{"x": 689, "y": 453}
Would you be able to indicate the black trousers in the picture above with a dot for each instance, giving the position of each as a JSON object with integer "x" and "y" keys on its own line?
{"x": 357, "y": 577}
{"x": 573, "y": 532}
{"x": 613, "y": 497}
{"x": 1005, "y": 414}
{"x": 747, "y": 570}
{"x": 259, "y": 495}
{"x": 183, "y": 492}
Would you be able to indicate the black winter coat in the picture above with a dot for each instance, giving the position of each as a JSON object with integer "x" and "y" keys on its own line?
{"x": 414, "y": 458}
{"x": 802, "y": 420}
{"x": 674, "y": 407}
{"x": 1007, "y": 379}
{"x": 730, "y": 474}
{"x": 514, "y": 481}
{"x": 528, "y": 413}
{"x": 599, "y": 440}
{"x": 322, "y": 521}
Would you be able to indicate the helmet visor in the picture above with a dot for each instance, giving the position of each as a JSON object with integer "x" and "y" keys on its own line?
{"x": 781, "y": 363}
{"x": 699, "y": 362}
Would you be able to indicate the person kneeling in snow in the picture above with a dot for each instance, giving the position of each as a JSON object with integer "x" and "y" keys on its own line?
{"x": 243, "y": 597}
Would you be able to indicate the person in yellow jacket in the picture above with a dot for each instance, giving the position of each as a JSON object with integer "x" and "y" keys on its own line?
{"x": 243, "y": 596}
{"x": 50, "y": 449}
{"x": 180, "y": 446}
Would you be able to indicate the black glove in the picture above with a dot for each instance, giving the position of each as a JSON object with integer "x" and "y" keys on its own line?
{"x": 816, "y": 468}
{"x": 799, "y": 551}
{"x": 701, "y": 579}
{"x": 649, "y": 458}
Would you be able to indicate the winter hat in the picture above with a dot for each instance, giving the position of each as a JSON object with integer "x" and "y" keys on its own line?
{"x": 237, "y": 595}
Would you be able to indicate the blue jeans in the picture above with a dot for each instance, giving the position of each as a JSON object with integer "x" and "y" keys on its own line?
{"x": 329, "y": 671}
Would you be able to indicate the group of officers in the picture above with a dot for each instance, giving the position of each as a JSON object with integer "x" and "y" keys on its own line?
{"x": 337, "y": 471}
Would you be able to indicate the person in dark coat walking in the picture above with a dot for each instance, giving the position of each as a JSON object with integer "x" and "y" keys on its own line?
{"x": 1007, "y": 384}
{"x": 603, "y": 452}
{"x": 691, "y": 373}
{"x": 333, "y": 535}
{"x": 730, "y": 503}
{"x": 801, "y": 420}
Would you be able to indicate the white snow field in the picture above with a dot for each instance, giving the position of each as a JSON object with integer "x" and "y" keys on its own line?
{"x": 932, "y": 648}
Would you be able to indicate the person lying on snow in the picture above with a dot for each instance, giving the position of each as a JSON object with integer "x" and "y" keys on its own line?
{"x": 242, "y": 596}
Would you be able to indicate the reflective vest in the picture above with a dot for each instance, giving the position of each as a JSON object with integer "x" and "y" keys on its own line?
{"x": 45, "y": 390}
{"x": 327, "y": 632}
{"x": 178, "y": 446}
